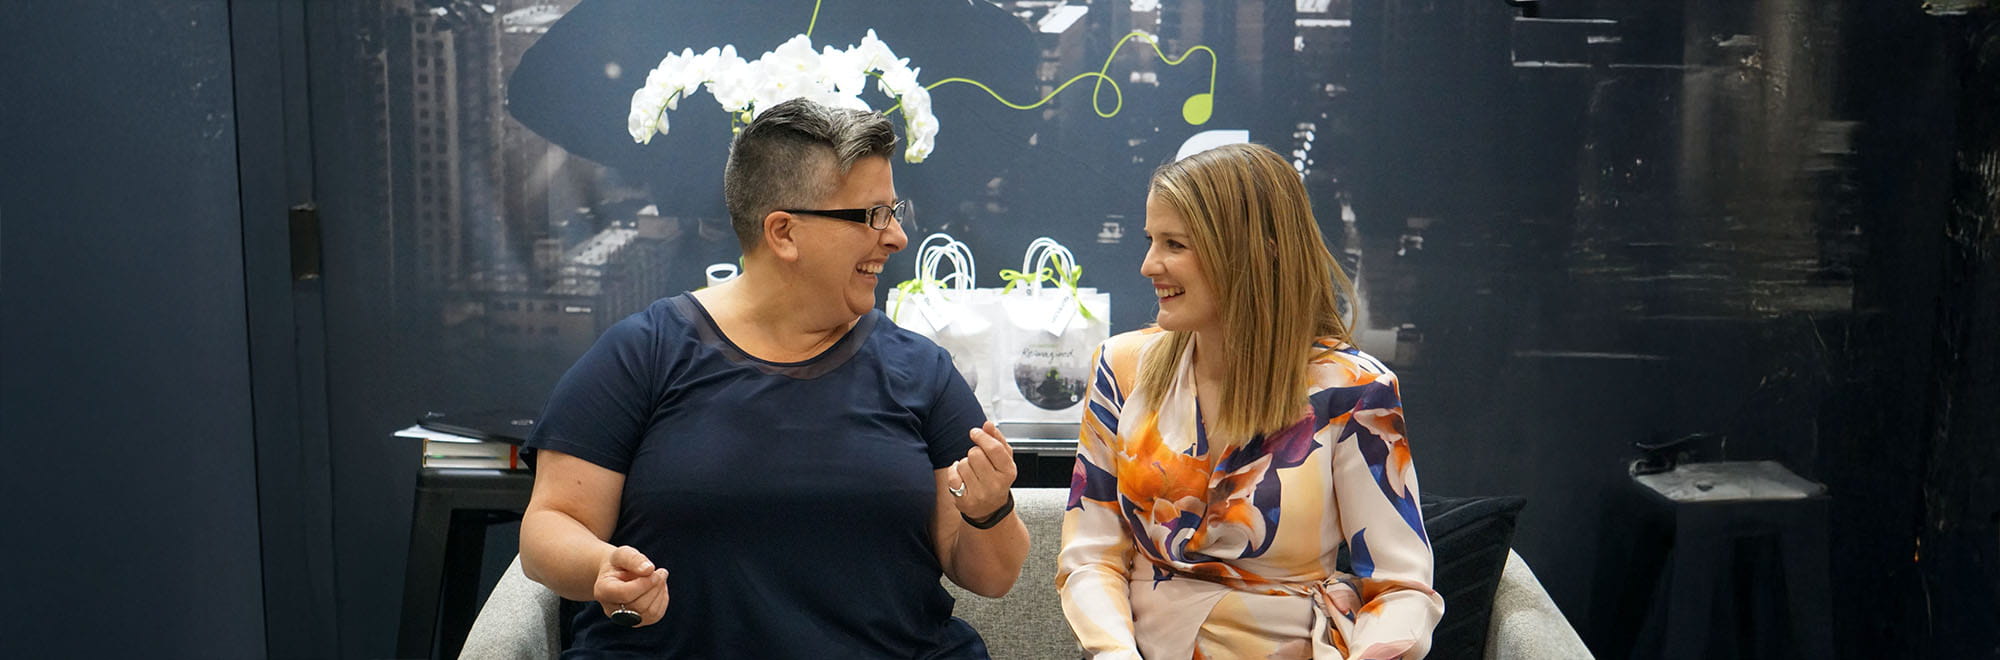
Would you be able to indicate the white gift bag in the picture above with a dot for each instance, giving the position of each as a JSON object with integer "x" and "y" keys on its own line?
{"x": 945, "y": 307}
{"x": 1048, "y": 327}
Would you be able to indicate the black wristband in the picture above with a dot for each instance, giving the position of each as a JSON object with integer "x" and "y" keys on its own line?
{"x": 994, "y": 519}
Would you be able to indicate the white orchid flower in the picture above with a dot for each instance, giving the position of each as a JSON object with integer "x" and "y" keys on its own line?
{"x": 732, "y": 81}
{"x": 796, "y": 55}
{"x": 899, "y": 78}
{"x": 832, "y": 77}
{"x": 920, "y": 127}
{"x": 875, "y": 55}
{"x": 648, "y": 117}
{"x": 842, "y": 70}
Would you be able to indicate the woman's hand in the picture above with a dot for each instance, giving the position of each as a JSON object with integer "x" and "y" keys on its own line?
{"x": 626, "y": 578}
{"x": 980, "y": 482}
{"x": 985, "y": 559}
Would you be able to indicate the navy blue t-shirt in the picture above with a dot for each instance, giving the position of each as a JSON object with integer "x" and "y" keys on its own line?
{"x": 789, "y": 502}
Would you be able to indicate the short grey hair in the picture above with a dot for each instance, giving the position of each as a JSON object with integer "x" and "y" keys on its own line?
{"x": 787, "y": 158}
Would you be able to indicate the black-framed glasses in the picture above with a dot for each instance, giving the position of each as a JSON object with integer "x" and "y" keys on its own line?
{"x": 876, "y": 217}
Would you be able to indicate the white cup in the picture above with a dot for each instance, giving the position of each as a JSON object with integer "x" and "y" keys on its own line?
{"x": 719, "y": 273}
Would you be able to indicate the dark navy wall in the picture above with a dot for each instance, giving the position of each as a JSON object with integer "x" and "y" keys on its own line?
{"x": 128, "y": 474}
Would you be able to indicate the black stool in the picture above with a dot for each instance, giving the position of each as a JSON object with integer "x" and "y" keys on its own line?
{"x": 1721, "y": 513}
{"x": 447, "y": 543}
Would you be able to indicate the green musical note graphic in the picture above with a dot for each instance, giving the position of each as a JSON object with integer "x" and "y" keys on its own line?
{"x": 1196, "y": 110}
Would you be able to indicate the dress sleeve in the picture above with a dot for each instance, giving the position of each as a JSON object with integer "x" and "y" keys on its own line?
{"x": 1093, "y": 567}
{"x": 600, "y": 409}
{"x": 1375, "y": 490}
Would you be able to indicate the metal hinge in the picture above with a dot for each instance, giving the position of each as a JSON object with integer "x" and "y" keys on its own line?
{"x": 305, "y": 242}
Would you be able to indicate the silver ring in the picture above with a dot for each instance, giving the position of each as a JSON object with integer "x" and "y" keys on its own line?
{"x": 957, "y": 492}
{"x": 624, "y": 616}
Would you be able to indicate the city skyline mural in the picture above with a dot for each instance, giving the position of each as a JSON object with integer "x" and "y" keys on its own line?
{"x": 522, "y": 218}
{"x": 1618, "y": 221}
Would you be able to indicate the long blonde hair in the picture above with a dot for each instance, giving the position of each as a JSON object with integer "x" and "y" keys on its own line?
{"x": 1240, "y": 201}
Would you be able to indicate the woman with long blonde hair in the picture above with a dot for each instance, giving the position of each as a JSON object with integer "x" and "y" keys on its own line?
{"x": 1228, "y": 453}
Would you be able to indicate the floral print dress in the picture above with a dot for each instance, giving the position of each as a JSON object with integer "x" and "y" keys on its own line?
{"x": 1171, "y": 550}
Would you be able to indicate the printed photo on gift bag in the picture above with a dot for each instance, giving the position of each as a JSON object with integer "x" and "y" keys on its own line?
{"x": 1051, "y": 370}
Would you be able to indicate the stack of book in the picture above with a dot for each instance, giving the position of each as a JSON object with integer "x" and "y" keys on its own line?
{"x": 473, "y": 442}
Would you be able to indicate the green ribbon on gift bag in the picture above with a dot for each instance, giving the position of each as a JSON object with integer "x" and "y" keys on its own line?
{"x": 1068, "y": 280}
{"x": 1065, "y": 279}
{"x": 1014, "y": 277}
{"x": 907, "y": 288}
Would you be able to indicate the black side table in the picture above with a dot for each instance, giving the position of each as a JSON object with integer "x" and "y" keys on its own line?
{"x": 447, "y": 543}
{"x": 1717, "y": 509}
{"x": 1045, "y": 453}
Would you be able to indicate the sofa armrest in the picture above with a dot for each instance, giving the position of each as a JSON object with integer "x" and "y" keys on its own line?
{"x": 1526, "y": 624}
{"x": 518, "y": 622}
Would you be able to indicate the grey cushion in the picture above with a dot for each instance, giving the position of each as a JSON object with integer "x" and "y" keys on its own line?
{"x": 518, "y": 621}
{"x": 1526, "y": 624}
{"x": 1028, "y": 622}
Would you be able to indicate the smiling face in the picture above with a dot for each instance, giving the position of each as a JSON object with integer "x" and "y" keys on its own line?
{"x": 845, "y": 257}
{"x": 1188, "y": 301}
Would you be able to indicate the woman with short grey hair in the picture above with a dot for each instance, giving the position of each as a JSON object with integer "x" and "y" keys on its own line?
{"x": 770, "y": 468}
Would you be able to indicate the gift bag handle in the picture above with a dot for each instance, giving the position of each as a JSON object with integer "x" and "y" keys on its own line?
{"x": 1050, "y": 262}
{"x": 1038, "y": 255}
{"x": 935, "y": 249}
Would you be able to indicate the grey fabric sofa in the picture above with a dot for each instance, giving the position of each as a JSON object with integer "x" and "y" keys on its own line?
{"x": 519, "y": 620}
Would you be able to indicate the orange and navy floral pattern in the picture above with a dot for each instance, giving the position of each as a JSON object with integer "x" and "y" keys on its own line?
{"x": 1174, "y": 550}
